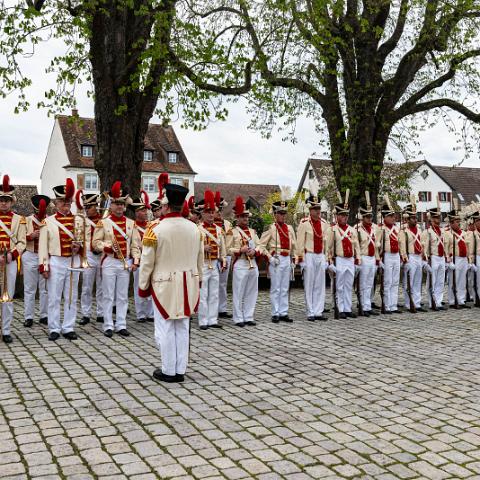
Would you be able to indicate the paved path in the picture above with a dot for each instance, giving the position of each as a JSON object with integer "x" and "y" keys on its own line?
{"x": 392, "y": 398}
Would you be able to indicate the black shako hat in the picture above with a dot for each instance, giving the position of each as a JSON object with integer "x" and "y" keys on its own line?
{"x": 176, "y": 194}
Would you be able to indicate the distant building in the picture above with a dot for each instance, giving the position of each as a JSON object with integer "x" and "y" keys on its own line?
{"x": 72, "y": 147}
{"x": 23, "y": 193}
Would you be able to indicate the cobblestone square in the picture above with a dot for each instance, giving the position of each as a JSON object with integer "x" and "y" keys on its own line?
{"x": 393, "y": 397}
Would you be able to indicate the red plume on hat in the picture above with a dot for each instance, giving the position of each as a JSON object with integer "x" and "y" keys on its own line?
{"x": 116, "y": 190}
{"x": 191, "y": 202}
{"x": 69, "y": 189}
{"x": 209, "y": 199}
{"x": 42, "y": 209}
{"x": 185, "y": 210}
{"x": 163, "y": 179}
{"x": 146, "y": 199}
{"x": 239, "y": 206}
{"x": 218, "y": 198}
{"x": 78, "y": 201}
{"x": 6, "y": 184}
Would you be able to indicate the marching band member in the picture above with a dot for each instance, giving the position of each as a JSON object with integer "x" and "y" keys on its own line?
{"x": 343, "y": 256}
{"x": 59, "y": 244}
{"x": 474, "y": 240}
{"x": 435, "y": 247}
{"x": 214, "y": 263}
{"x": 143, "y": 306}
{"x": 412, "y": 255}
{"x": 32, "y": 280}
{"x": 459, "y": 250}
{"x": 278, "y": 245}
{"x": 242, "y": 244}
{"x": 118, "y": 239}
{"x": 310, "y": 255}
{"x": 389, "y": 251}
{"x": 171, "y": 272}
{"x": 366, "y": 233}
{"x": 88, "y": 204}
{"x": 12, "y": 244}
{"x": 469, "y": 219}
{"x": 156, "y": 207}
{"x": 194, "y": 211}
{"x": 226, "y": 226}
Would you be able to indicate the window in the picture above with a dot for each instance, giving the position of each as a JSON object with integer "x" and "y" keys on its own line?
{"x": 149, "y": 184}
{"x": 444, "y": 196}
{"x": 87, "y": 150}
{"x": 424, "y": 174}
{"x": 172, "y": 157}
{"x": 424, "y": 196}
{"x": 147, "y": 155}
{"x": 311, "y": 174}
{"x": 91, "y": 181}
{"x": 460, "y": 197}
{"x": 176, "y": 180}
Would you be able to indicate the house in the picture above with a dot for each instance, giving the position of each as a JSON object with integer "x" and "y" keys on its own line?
{"x": 255, "y": 194}
{"x": 71, "y": 152}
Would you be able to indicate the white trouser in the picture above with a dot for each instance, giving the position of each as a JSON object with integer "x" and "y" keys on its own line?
{"x": 115, "y": 280}
{"x": 477, "y": 263}
{"x": 344, "y": 276}
{"x": 58, "y": 286}
{"x": 415, "y": 275}
{"x": 143, "y": 306}
{"x": 471, "y": 284}
{"x": 367, "y": 277}
{"x": 171, "y": 337}
{"x": 32, "y": 280}
{"x": 391, "y": 278}
{"x": 279, "y": 285}
{"x": 222, "y": 287}
{"x": 461, "y": 264}
{"x": 208, "y": 305}
{"x": 89, "y": 276}
{"x": 245, "y": 290}
{"x": 437, "y": 277}
{"x": 314, "y": 283}
{"x": 7, "y": 308}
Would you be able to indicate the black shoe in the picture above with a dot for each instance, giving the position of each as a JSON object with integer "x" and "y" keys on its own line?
{"x": 7, "y": 338}
{"x": 275, "y": 319}
{"x": 322, "y": 318}
{"x": 70, "y": 336}
{"x": 251, "y": 323}
{"x": 53, "y": 336}
{"x": 224, "y": 315}
{"x": 28, "y": 322}
{"x": 366, "y": 313}
{"x": 285, "y": 318}
{"x": 350, "y": 315}
{"x": 421, "y": 309}
{"x": 375, "y": 306}
{"x": 100, "y": 319}
{"x": 84, "y": 321}
{"x": 108, "y": 333}
{"x": 465, "y": 306}
{"x": 44, "y": 321}
{"x": 150, "y": 319}
{"x": 373, "y": 314}
{"x": 124, "y": 332}
{"x": 388, "y": 312}
{"x": 179, "y": 377}
{"x": 239, "y": 324}
{"x": 342, "y": 315}
{"x": 397, "y": 311}
{"x": 311, "y": 319}
{"x": 216, "y": 325}
{"x": 159, "y": 375}
{"x": 440, "y": 308}
{"x": 141, "y": 320}
{"x": 203, "y": 327}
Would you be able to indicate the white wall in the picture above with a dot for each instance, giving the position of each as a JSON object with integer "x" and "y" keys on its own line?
{"x": 316, "y": 186}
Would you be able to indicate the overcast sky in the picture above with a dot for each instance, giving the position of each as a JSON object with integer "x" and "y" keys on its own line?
{"x": 225, "y": 152}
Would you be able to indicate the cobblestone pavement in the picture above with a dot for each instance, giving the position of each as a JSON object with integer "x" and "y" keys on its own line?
{"x": 384, "y": 398}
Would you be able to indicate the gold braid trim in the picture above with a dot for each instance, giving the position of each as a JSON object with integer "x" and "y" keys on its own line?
{"x": 149, "y": 238}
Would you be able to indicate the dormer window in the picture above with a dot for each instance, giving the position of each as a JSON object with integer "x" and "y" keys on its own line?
{"x": 87, "y": 150}
{"x": 172, "y": 157}
{"x": 148, "y": 155}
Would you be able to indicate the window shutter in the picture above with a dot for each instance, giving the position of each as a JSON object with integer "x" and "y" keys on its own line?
{"x": 186, "y": 183}
{"x": 429, "y": 196}
{"x": 80, "y": 181}
{"x": 449, "y": 196}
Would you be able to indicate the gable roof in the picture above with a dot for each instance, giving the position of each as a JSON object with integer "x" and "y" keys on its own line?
{"x": 317, "y": 165}
{"x": 78, "y": 131}
{"x": 463, "y": 180}
{"x": 230, "y": 191}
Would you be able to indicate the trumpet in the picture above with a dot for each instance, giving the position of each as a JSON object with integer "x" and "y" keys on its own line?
{"x": 84, "y": 260}
{"x": 5, "y": 297}
{"x": 209, "y": 258}
{"x": 118, "y": 251}
{"x": 246, "y": 243}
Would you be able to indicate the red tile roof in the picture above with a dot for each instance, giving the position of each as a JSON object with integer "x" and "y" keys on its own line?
{"x": 160, "y": 139}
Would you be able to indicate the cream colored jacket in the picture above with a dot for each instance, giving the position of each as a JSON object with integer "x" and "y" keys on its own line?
{"x": 431, "y": 242}
{"x": 305, "y": 237}
{"x": 171, "y": 266}
{"x": 235, "y": 241}
{"x": 270, "y": 241}
{"x": 222, "y": 249}
{"x": 30, "y": 229}
{"x": 19, "y": 240}
{"x": 365, "y": 239}
{"x": 407, "y": 242}
{"x": 334, "y": 242}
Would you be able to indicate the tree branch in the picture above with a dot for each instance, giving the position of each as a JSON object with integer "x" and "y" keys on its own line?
{"x": 445, "y": 103}
{"x": 389, "y": 45}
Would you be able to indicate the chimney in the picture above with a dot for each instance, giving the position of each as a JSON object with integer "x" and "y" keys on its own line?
{"x": 74, "y": 112}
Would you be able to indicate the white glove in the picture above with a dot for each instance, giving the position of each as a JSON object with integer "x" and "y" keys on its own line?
{"x": 427, "y": 267}
{"x": 473, "y": 267}
{"x": 451, "y": 266}
{"x": 274, "y": 261}
{"x": 332, "y": 268}
{"x": 406, "y": 267}
{"x": 302, "y": 265}
{"x": 357, "y": 269}
{"x": 381, "y": 265}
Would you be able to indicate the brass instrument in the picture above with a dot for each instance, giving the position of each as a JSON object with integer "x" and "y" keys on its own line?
{"x": 5, "y": 297}
{"x": 118, "y": 251}
{"x": 209, "y": 258}
{"x": 246, "y": 243}
{"x": 83, "y": 261}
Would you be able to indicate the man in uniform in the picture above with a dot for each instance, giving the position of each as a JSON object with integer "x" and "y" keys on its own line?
{"x": 143, "y": 306}
{"x": 367, "y": 240}
{"x": 277, "y": 243}
{"x": 310, "y": 255}
{"x": 88, "y": 205}
{"x": 194, "y": 211}
{"x": 435, "y": 248}
{"x": 459, "y": 251}
{"x": 226, "y": 226}
{"x": 389, "y": 251}
{"x": 214, "y": 263}
{"x": 412, "y": 256}
{"x": 12, "y": 244}
{"x": 117, "y": 238}
{"x": 156, "y": 207}
{"x": 343, "y": 256}
{"x": 171, "y": 272}
{"x": 32, "y": 280}
{"x": 242, "y": 243}
{"x": 58, "y": 247}
{"x": 474, "y": 242}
